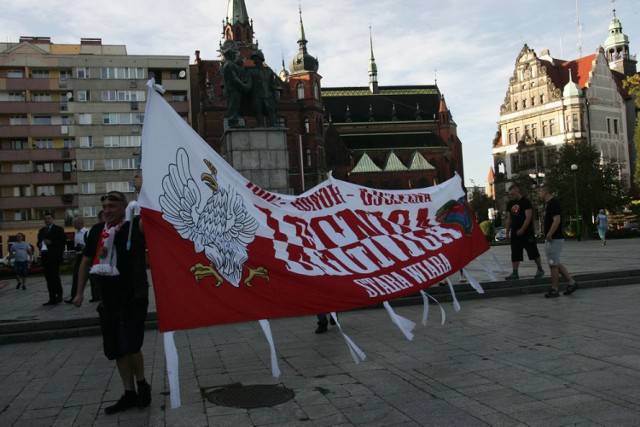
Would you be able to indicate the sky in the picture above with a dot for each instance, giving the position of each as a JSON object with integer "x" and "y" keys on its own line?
{"x": 468, "y": 47}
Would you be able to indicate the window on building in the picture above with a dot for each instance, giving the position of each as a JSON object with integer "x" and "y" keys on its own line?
{"x": 109, "y": 118}
{"x": 45, "y": 190}
{"x": 66, "y": 74}
{"x": 22, "y": 191}
{"x": 17, "y": 96}
{"x": 43, "y": 143}
{"x": 82, "y": 72}
{"x": 65, "y": 120}
{"x": 179, "y": 97}
{"x": 15, "y": 74}
{"x": 308, "y": 157}
{"x": 19, "y": 144}
{"x": 542, "y": 99}
{"x": 89, "y": 211}
{"x": 83, "y": 96}
{"x": 316, "y": 90}
{"x": 282, "y": 122}
{"x": 517, "y": 134}
{"x": 119, "y": 164}
{"x": 40, "y": 74}
{"x": 615, "y": 126}
{"x": 512, "y": 139}
{"x": 306, "y": 125}
{"x": 18, "y": 120}
{"x": 300, "y": 90}
{"x": 534, "y": 130}
{"x": 524, "y": 104}
{"x": 515, "y": 105}
{"x": 109, "y": 95}
{"x": 21, "y": 216}
{"x": 608, "y": 125}
{"x": 68, "y": 143}
{"x": 533, "y": 101}
{"x": 552, "y": 123}
{"x": 121, "y": 186}
{"x": 88, "y": 188}
{"x": 44, "y": 167}
{"x": 85, "y": 141}
{"x": 41, "y": 97}
{"x": 41, "y": 120}
{"x": 86, "y": 164}
{"x": 20, "y": 168}
{"x": 545, "y": 128}
{"x": 84, "y": 119}
{"x": 71, "y": 189}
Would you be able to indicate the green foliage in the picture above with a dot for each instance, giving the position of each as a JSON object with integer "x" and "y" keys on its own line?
{"x": 487, "y": 229}
{"x": 596, "y": 186}
{"x": 480, "y": 204}
{"x": 632, "y": 84}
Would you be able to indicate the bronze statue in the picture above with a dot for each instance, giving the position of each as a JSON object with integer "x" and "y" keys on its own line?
{"x": 235, "y": 81}
{"x": 263, "y": 87}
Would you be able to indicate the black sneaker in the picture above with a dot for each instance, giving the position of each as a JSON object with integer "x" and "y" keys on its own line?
{"x": 128, "y": 400}
{"x": 322, "y": 328}
{"x": 552, "y": 293}
{"x": 571, "y": 289}
{"x": 512, "y": 276}
{"x": 144, "y": 394}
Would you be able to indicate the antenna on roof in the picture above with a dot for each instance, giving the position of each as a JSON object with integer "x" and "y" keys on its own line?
{"x": 579, "y": 25}
{"x": 435, "y": 72}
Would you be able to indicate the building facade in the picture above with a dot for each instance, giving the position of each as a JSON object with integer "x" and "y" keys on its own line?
{"x": 379, "y": 136}
{"x": 71, "y": 119}
{"x": 551, "y": 102}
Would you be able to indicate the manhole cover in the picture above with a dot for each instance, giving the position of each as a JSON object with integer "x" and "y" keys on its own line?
{"x": 250, "y": 396}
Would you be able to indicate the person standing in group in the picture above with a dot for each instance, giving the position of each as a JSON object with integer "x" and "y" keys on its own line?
{"x": 122, "y": 276}
{"x": 21, "y": 253}
{"x": 603, "y": 223}
{"x": 51, "y": 242}
{"x": 554, "y": 241}
{"x": 519, "y": 226}
{"x": 79, "y": 240}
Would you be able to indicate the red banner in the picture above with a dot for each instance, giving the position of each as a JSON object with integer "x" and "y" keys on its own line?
{"x": 223, "y": 250}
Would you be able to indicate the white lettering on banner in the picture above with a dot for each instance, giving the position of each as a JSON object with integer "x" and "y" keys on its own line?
{"x": 420, "y": 272}
{"x": 323, "y": 198}
{"x": 376, "y": 198}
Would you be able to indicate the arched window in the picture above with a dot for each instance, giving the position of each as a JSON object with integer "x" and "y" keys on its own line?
{"x": 305, "y": 128}
{"x": 316, "y": 90}
{"x": 300, "y": 90}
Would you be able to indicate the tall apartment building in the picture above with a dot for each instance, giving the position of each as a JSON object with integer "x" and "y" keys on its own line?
{"x": 71, "y": 119}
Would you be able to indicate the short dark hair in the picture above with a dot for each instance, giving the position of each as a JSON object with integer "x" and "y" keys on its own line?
{"x": 548, "y": 188}
{"x": 114, "y": 196}
{"x": 514, "y": 187}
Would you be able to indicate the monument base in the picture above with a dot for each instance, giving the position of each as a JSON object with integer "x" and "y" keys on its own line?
{"x": 260, "y": 155}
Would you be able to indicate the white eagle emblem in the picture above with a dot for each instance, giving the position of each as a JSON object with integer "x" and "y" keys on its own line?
{"x": 221, "y": 227}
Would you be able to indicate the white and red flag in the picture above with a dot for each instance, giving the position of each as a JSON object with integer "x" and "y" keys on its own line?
{"x": 223, "y": 250}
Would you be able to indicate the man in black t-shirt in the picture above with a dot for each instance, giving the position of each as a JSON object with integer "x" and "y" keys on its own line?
{"x": 554, "y": 240}
{"x": 121, "y": 273}
{"x": 519, "y": 227}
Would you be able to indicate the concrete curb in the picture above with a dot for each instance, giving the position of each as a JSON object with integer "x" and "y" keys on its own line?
{"x": 31, "y": 331}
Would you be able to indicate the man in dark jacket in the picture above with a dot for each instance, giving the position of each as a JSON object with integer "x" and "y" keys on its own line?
{"x": 51, "y": 242}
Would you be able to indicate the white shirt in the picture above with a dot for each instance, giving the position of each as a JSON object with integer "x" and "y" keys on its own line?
{"x": 79, "y": 237}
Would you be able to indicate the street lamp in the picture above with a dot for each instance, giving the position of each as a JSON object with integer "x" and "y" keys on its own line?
{"x": 574, "y": 168}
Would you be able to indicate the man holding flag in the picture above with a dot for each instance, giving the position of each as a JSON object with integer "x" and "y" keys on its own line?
{"x": 117, "y": 264}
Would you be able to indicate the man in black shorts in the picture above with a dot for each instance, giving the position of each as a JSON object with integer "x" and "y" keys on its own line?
{"x": 519, "y": 227}
{"x": 122, "y": 276}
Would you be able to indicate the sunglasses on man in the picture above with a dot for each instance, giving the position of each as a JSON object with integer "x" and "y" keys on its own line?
{"x": 112, "y": 198}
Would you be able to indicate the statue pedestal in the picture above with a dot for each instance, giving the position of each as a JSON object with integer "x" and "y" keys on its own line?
{"x": 260, "y": 155}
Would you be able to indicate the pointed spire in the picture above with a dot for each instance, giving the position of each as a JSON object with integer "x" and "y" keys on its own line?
{"x": 237, "y": 12}
{"x": 302, "y": 39}
{"x": 373, "y": 69}
{"x": 443, "y": 105}
{"x": 303, "y": 62}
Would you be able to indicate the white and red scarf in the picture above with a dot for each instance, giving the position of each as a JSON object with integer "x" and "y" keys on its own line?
{"x": 105, "y": 260}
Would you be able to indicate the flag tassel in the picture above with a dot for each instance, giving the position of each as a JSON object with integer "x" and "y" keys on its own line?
{"x": 405, "y": 325}
{"x": 266, "y": 328}
{"x": 357, "y": 354}
{"x": 171, "y": 358}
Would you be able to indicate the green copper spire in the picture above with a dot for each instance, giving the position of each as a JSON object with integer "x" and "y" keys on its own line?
{"x": 237, "y": 12}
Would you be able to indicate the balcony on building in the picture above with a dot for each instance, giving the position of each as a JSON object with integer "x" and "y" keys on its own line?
{"x": 37, "y": 178}
{"x": 40, "y": 202}
{"x": 31, "y": 84}
{"x": 37, "y": 155}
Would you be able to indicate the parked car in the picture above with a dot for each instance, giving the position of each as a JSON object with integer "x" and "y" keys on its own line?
{"x": 633, "y": 226}
{"x": 501, "y": 234}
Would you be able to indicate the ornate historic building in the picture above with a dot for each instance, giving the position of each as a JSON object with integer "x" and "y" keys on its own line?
{"x": 551, "y": 102}
{"x": 384, "y": 137}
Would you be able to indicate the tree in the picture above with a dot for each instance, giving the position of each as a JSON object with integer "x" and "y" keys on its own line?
{"x": 597, "y": 186}
{"x": 480, "y": 203}
{"x": 632, "y": 84}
